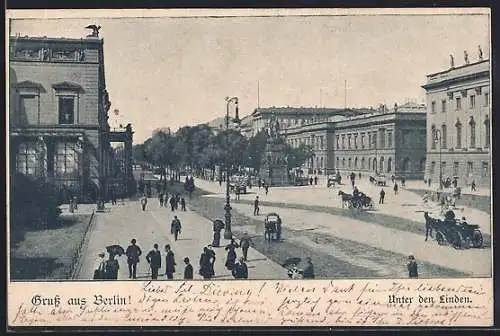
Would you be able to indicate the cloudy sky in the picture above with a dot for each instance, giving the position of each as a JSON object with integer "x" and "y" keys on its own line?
{"x": 172, "y": 71}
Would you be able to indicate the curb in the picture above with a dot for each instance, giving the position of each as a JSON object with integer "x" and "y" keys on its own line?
{"x": 76, "y": 259}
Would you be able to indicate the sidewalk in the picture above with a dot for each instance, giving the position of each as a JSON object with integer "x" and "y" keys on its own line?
{"x": 126, "y": 221}
{"x": 405, "y": 205}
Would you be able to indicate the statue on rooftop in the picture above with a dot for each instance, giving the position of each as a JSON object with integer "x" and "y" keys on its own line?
{"x": 95, "y": 30}
{"x": 452, "y": 61}
{"x": 466, "y": 57}
{"x": 480, "y": 53}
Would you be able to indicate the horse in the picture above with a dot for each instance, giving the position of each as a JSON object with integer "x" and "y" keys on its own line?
{"x": 346, "y": 198}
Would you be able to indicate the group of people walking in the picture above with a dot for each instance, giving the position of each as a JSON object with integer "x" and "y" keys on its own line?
{"x": 163, "y": 198}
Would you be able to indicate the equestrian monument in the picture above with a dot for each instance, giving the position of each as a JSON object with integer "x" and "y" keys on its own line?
{"x": 274, "y": 166}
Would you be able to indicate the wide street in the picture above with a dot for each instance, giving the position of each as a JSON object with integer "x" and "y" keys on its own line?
{"x": 341, "y": 242}
{"x": 126, "y": 220}
{"x": 396, "y": 227}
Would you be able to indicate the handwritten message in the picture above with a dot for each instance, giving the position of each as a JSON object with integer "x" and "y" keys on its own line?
{"x": 290, "y": 302}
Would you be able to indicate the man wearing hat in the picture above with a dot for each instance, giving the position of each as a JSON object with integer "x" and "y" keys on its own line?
{"x": 412, "y": 267}
{"x": 133, "y": 253}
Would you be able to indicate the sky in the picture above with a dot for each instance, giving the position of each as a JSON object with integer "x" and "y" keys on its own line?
{"x": 176, "y": 71}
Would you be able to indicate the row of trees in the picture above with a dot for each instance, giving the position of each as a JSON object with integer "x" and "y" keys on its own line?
{"x": 197, "y": 147}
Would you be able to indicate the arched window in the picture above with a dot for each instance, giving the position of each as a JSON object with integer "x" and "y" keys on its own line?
{"x": 369, "y": 163}
{"x": 487, "y": 132}
{"x": 389, "y": 165}
{"x": 472, "y": 125}
{"x": 374, "y": 164}
{"x": 458, "y": 127}
{"x": 356, "y": 163}
{"x": 363, "y": 163}
{"x": 433, "y": 136}
{"x": 381, "y": 168}
{"x": 321, "y": 163}
{"x": 343, "y": 162}
{"x": 349, "y": 162}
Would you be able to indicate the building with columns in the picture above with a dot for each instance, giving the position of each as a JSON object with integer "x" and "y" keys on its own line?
{"x": 389, "y": 141}
{"x": 58, "y": 113}
{"x": 458, "y": 123}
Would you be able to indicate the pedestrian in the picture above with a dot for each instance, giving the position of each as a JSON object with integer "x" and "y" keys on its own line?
{"x": 311, "y": 180}
{"x": 205, "y": 264}
{"x": 111, "y": 268}
{"x": 231, "y": 254}
{"x": 308, "y": 272}
{"x": 154, "y": 260}
{"x": 160, "y": 198}
{"x": 133, "y": 253}
{"x": 169, "y": 263}
{"x": 412, "y": 267}
{"x": 278, "y": 228}
{"x": 266, "y": 188}
{"x": 315, "y": 180}
{"x": 240, "y": 270}
{"x": 260, "y": 183}
{"x": 144, "y": 202}
{"x": 188, "y": 270}
{"x": 175, "y": 227}
{"x": 403, "y": 182}
{"x": 218, "y": 225}
{"x": 395, "y": 188}
{"x": 245, "y": 243}
{"x": 392, "y": 178}
{"x": 473, "y": 186}
{"x": 183, "y": 204}
{"x": 359, "y": 175}
{"x": 382, "y": 195}
{"x": 211, "y": 258}
{"x": 172, "y": 202}
{"x": 237, "y": 192}
{"x": 100, "y": 267}
{"x": 428, "y": 225}
{"x": 177, "y": 200}
{"x": 256, "y": 206}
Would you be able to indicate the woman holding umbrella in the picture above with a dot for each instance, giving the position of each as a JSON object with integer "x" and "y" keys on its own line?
{"x": 112, "y": 266}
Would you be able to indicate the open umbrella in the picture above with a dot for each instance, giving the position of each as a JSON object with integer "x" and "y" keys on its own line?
{"x": 115, "y": 249}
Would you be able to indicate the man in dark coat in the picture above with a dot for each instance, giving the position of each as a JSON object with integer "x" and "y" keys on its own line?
{"x": 206, "y": 263}
{"x": 183, "y": 204}
{"x": 245, "y": 243}
{"x": 175, "y": 227}
{"x": 428, "y": 226}
{"x": 188, "y": 269}
{"x": 172, "y": 202}
{"x": 315, "y": 180}
{"x": 133, "y": 253}
{"x": 240, "y": 270}
{"x": 169, "y": 263}
{"x": 256, "y": 206}
{"x": 308, "y": 272}
{"x": 412, "y": 267}
{"x": 382, "y": 195}
{"x": 395, "y": 188}
{"x": 154, "y": 260}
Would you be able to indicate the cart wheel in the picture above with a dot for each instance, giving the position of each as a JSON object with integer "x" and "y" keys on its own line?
{"x": 477, "y": 239}
{"x": 440, "y": 238}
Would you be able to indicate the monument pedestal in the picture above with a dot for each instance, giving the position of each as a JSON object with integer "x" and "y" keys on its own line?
{"x": 275, "y": 175}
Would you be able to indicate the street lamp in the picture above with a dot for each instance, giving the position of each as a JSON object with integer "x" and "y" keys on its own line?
{"x": 227, "y": 229}
{"x": 437, "y": 137}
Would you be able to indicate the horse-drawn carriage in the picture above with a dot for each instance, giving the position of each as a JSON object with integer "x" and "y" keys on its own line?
{"x": 456, "y": 233}
{"x": 356, "y": 201}
{"x": 272, "y": 227}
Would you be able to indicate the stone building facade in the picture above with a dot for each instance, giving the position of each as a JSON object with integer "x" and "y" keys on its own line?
{"x": 390, "y": 142}
{"x": 458, "y": 123}
{"x": 58, "y": 113}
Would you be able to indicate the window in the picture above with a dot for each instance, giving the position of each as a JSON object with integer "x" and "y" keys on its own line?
{"x": 349, "y": 142}
{"x": 433, "y": 167}
{"x": 363, "y": 140}
{"x": 486, "y": 99}
{"x": 343, "y": 141}
{"x": 356, "y": 163}
{"x": 443, "y": 136}
{"x": 455, "y": 168}
{"x": 356, "y": 141}
{"x": 321, "y": 162}
{"x": 26, "y": 160}
{"x": 433, "y": 137}
{"x": 472, "y": 101}
{"x": 487, "y": 133}
{"x": 484, "y": 169}
{"x": 458, "y": 126}
{"x": 382, "y": 138}
{"x": 374, "y": 138}
{"x": 469, "y": 168}
{"x": 443, "y": 168}
{"x": 29, "y": 109}
{"x": 338, "y": 141}
{"x": 472, "y": 124}
{"x": 349, "y": 162}
{"x": 343, "y": 162}
{"x": 389, "y": 165}
{"x": 369, "y": 140}
{"x": 433, "y": 107}
{"x": 321, "y": 143}
{"x": 381, "y": 164}
{"x": 338, "y": 162}
{"x": 66, "y": 110}
{"x": 443, "y": 105}
{"x": 389, "y": 139}
{"x": 363, "y": 163}
{"x": 459, "y": 103}
{"x": 66, "y": 163}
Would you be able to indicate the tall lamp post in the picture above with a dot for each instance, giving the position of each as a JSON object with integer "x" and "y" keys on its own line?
{"x": 437, "y": 137}
{"x": 227, "y": 229}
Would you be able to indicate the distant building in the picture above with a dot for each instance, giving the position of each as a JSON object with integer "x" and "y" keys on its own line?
{"x": 383, "y": 141}
{"x": 58, "y": 113}
{"x": 458, "y": 113}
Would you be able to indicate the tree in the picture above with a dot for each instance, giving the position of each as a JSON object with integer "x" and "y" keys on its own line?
{"x": 255, "y": 150}
{"x": 296, "y": 157}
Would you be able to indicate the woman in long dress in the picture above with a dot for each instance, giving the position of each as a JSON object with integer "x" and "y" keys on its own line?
{"x": 231, "y": 254}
